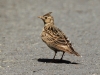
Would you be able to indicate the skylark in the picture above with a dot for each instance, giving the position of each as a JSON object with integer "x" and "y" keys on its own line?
{"x": 54, "y": 37}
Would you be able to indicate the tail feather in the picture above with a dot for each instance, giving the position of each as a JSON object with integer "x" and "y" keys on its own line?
{"x": 77, "y": 54}
{"x": 69, "y": 49}
{"x": 73, "y": 51}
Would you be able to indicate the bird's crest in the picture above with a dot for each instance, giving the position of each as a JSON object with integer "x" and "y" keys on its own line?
{"x": 48, "y": 14}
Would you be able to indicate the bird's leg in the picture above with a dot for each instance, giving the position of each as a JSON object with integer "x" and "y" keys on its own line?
{"x": 62, "y": 56}
{"x": 54, "y": 55}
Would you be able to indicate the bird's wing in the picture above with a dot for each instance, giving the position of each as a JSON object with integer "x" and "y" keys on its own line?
{"x": 55, "y": 38}
{"x": 54, "y": 35}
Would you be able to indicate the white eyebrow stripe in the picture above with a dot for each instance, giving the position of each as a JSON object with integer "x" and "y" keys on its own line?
{"x": 49, "y": 17}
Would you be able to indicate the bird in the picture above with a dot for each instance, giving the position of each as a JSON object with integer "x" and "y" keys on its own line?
{"x": 54, "y": 38}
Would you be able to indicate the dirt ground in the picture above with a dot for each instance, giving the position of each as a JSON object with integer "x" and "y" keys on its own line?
{"x": 22, "y": 51}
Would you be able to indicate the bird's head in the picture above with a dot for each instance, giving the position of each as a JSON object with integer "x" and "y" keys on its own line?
{"x": 47, "y": 18}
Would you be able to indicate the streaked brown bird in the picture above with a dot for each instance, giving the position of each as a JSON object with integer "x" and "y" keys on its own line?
{"x": 54, "y": 37}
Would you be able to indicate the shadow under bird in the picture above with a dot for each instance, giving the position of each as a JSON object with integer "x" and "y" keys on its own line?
{"x": 54, "y": 37}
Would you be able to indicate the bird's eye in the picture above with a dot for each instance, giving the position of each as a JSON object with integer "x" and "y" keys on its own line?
{"x": 45, "y": 17}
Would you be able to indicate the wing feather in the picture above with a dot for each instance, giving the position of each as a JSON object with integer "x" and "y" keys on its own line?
{"x": 56, "y": 39}
{"x": 53, "y": 34}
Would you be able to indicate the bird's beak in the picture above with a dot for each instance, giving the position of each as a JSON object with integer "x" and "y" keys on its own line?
{"x": 40, "y": 17}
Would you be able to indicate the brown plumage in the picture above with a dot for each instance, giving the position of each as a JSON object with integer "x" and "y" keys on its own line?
{"x": 54, "y": 37}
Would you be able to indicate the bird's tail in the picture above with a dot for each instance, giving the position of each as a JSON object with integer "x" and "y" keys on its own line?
{"x": 70, "y": 50}
{"x": 77, "y": 54}
{"x": 73, "y": 51}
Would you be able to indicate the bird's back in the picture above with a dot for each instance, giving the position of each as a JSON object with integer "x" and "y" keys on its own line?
{"x": 56, "y": 39}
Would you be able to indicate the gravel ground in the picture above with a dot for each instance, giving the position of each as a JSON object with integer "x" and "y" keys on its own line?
{"x": 22, "y": 51}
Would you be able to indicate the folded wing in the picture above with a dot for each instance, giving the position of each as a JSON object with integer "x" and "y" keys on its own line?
{"x": 55, "y": 38}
